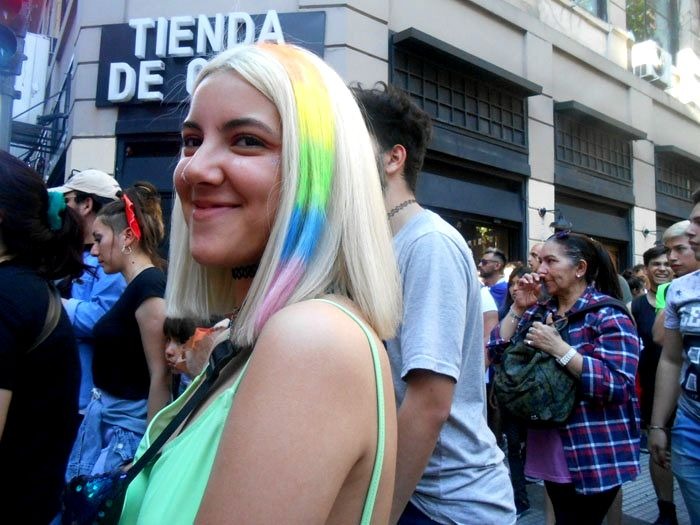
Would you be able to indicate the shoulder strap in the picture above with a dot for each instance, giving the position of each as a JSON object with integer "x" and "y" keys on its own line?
{"x": 371, "y": 497}
{"x": 53, "y": 314}
{"x": 222, "y": 354}
{"x": 609, "y": 301}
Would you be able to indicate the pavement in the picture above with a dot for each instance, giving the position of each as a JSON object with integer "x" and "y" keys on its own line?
{"x": 638, "y": 501}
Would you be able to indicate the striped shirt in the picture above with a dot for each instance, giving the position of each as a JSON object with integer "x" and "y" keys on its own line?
{"x": 601, "y": 437}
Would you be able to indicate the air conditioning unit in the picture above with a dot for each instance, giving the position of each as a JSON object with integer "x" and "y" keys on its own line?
{"x": 652, "y": 63}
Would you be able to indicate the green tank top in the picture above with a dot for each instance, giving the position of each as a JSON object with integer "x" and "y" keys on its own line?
{"x": 170, "y": 490}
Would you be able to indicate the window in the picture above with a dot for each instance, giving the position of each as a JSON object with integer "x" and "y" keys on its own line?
{"x": 674, "y": 176}
{"x": 596, "y": 7}
{"x": 451, "y": 95}
{"x": 656, "y": 20}
{"x": 592, "y": 147}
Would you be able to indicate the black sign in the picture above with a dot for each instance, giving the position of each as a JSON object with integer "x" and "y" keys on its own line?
{"x": 171, "y": 51}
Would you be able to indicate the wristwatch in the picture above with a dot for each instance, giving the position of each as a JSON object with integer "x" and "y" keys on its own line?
{"x": 568, "y": 356}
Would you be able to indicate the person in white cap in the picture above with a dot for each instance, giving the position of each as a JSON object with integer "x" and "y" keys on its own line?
{"x": 94, "y": 292}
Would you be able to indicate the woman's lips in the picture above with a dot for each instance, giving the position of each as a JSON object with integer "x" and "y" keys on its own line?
{"x": 210, "y": 211}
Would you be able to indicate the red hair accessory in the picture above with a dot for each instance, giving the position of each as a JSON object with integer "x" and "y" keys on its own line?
{"x": 131, "y": 216}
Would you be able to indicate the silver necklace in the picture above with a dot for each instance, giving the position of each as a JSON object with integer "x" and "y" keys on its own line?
{"x": 396, "y": 209}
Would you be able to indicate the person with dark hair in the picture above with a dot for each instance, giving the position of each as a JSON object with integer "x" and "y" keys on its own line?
{"x": 449, "y": 468}
{"x": 637, "y": 286}
{"x": 602, "y": 354}
{"x": 94, "y": 292}
{"x": 492, "y": 271}
{"x": 514, "y": 429}
{"x": 40, "y": 241}
{"x": 533, "y": 257}
{"x": 131, "y": 376}
{"x": 643, "y": 310}
{"x": 184, "y": 359}
{"x": 677, "y": 380}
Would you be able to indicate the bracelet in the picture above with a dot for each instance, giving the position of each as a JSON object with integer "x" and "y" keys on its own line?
{"x": 514, "y": 315}
{"x": 656, "y": 427}
{"x": 568, "y": 356}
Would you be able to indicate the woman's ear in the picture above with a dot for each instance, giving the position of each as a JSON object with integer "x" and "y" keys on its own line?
{"x": 128, "y": 236}
{"x": 581, "y": 268}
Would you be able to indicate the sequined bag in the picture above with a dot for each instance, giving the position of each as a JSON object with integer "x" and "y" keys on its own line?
{"x": 98, "y": 499}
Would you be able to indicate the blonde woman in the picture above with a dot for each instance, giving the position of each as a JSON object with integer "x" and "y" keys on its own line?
{"x": 280, "y": 217}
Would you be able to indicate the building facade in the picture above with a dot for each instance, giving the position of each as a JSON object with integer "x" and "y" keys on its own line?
{"x": 585, "y": 112}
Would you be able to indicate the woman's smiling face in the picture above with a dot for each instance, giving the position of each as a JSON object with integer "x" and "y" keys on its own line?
{"x": 228, "y": 176}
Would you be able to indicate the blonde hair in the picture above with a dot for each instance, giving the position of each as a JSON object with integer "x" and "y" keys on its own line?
{"x": 677, "y": 229}
{"x": 352, "y": 253}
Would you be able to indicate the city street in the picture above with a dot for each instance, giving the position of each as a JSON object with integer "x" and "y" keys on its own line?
{"x": 638, "y": 504}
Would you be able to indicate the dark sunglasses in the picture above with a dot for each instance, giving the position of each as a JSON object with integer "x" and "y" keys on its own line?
{"x": 483, "y": 262}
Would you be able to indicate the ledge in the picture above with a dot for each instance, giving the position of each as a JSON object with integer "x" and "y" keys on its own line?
{"x": 678, "y": 152}
{"x": 574, "y": 107}
{"x": 413, "y": 37}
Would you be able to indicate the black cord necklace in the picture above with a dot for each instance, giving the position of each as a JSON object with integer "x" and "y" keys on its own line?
{"x": 244, "y": 272}
{"x": 398, "y": 208}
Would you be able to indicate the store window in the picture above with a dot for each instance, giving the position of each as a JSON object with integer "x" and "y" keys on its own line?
{"x": 593, "y": 148}
{"x": 482, "y": 233}
{"x": 153, "y": 159}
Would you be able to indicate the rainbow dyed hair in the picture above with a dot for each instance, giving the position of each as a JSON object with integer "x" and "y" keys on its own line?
{"x": 316, "y": 135}
{"x": 330, "y": 233}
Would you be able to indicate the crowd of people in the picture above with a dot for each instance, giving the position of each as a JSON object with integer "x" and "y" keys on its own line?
{"x": 319, "y": 348}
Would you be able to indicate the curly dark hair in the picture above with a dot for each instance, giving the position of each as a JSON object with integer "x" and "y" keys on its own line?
{"x": 392, "y": 118}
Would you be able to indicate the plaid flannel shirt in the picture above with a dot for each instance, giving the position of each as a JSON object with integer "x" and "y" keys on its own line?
{"x": 601, "y": 437}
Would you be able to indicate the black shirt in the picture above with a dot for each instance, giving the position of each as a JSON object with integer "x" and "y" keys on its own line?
{"x": 645, "y": 314}
{"x": 42, "y": 419}
{"x": 119, "y": 366}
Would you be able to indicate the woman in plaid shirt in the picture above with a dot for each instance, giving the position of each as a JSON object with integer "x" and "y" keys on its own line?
{"x": 584, "y": 462}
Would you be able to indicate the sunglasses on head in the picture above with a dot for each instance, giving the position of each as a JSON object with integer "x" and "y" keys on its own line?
{"x": 561, "y": 234}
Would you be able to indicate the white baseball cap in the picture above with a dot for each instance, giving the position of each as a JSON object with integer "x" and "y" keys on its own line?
{"x": 94, "y": 182}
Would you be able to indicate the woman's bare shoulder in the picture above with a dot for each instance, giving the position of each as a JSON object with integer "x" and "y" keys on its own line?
{"x": 315, "y": 329}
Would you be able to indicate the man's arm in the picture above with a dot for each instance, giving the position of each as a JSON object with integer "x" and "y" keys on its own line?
{"x": 105, "y": 291}
{"x": 658, "y": 330}
{"x": 665, "y": 394}
{"x": 425, "y": 408}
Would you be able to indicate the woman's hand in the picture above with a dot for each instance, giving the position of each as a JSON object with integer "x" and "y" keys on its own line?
{"x": 658, "y": 446}
{"x": 547, "y": 339}
{"x": 526, "y": 291}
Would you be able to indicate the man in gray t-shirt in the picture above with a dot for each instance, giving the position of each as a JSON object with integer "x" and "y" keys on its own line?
{"x": 449, "y": 468}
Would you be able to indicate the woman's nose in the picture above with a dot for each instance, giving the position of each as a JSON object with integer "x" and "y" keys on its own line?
{"x": 204, "y": 166}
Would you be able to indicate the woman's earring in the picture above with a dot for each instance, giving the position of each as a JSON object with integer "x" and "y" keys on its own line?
{"x": 126, "y": 250}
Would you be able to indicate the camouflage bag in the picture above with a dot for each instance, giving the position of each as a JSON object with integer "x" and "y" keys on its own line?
{"x": 530, "y": 383}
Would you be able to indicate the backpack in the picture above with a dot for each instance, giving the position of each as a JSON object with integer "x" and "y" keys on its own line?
{"x": 530, "y": 383}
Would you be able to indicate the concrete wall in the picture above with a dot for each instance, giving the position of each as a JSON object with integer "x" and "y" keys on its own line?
{"x": 553, "y": 43}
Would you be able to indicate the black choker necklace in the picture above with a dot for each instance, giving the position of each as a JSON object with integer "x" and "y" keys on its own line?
{"x": 397, "y": 209}
{"x": 244, "y": 272}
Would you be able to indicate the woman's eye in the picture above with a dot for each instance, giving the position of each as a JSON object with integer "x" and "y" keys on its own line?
{"x": 190, "y": 142}
{"x": 248, "y": 141}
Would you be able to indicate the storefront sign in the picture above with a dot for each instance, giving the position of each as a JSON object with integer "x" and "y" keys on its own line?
{"x": 157, "y": 59}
